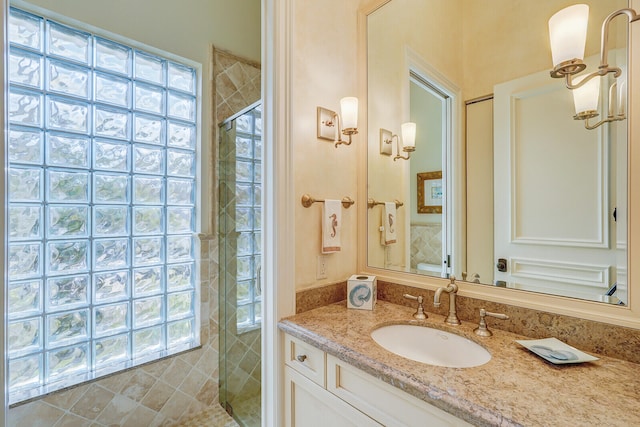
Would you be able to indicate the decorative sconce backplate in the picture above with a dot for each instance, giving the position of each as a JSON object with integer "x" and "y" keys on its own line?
{"x": 386, "y": 138}
{"x": 327, "y": 122}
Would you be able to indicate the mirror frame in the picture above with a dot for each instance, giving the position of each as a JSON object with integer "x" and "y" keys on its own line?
{"x": 628, "y": 316}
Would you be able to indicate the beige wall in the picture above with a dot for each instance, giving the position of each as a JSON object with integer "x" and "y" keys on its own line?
{"x": 493, "y": 27}
{"x": 183, "y": 27}
{"x": 479, "y": 149}
{"x": 323, "y": 71}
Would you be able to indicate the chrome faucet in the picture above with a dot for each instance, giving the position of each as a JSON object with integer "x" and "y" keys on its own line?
{"x": 452, "y": 289}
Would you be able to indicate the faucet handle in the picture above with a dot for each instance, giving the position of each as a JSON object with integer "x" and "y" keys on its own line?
{"x": 482, "y": 329}
{"x": 452, "y": 283}
{"x": 419, "y": 314}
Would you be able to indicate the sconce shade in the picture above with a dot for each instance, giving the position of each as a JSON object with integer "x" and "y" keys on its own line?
{"x": 568, "y": 33}
{"x": 409, "y": 135}
{"x": 622, "y": 98}
{"x": 585, "y": 98}
{"x": 621, "y": 92}
{"x": 349, "y": 110}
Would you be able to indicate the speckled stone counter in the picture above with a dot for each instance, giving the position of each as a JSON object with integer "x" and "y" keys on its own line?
{"x": 514, "y": 388}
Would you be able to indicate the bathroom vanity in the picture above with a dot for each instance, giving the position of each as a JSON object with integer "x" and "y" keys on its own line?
{"x": 336, "y": 374}
{"x": 321, "y": 390}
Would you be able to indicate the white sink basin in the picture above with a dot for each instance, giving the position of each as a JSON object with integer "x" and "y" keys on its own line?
{"x": 431, "y": 346}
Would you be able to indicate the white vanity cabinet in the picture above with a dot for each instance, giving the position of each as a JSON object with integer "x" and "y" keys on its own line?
{"x": 321, "y": 390}
{"x": 307, "y": 402}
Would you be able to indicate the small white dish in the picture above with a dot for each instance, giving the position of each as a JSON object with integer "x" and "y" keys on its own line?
{"x": 555, "y": 351}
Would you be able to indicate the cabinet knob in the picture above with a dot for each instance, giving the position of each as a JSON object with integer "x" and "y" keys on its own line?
{"x": 301, "y": 357}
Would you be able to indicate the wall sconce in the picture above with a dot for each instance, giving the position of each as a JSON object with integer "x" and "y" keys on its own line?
{"x": 408, "y": 141}
{"x": 329, "y": 121}
{"x": 568, "y": 35}
{"x": 586, "y": 97}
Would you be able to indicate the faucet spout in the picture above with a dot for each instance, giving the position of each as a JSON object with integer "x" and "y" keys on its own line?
{"x": 452, "y": 290}
{"x": 436, "y": 297}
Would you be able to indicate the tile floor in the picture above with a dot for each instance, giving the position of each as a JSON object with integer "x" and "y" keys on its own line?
{"x": 214, "y": 416}
{"x": 248, "y": 410}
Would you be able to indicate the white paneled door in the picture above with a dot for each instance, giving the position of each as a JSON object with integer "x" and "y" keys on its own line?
{"x": 554, "y": 192}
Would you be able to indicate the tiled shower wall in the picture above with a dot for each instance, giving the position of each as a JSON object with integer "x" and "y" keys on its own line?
{"x": 165, "y": 392}
{"x": 237, "y": 84}
{"x": 426, "y": 244}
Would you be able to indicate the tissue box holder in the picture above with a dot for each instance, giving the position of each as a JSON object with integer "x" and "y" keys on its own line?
{"x": 362, "y": 292}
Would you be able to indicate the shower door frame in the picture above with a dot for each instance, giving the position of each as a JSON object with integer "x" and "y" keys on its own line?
{"x": 228, "y": 325}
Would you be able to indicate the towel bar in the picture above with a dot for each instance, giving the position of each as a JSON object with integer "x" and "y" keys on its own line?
{"x": 307, "y": 201}
{"x": 371, "y": 203}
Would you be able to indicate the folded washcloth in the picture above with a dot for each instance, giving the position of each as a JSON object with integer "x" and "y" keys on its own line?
{"x": 389, "y": 221}
{"x": 331, "y": 225}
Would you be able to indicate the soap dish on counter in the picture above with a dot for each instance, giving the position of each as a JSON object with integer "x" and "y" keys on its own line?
{"x": 555, "y": 351}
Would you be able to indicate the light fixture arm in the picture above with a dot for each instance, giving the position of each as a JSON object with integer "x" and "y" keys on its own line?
{"x": 604, "y": 37}
{"x": 347, "y": 131}
{"x": 616, "y": 110}
{"x": 603, "y": 68}
{"x": 601, "y": 122}
{"x": 613, "y": 115}
{"x": 407, "y": 150}
{"x": 339, "y": 141}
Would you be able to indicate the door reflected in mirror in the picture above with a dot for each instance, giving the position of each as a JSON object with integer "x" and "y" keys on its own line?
{"x": 504, "y": 188}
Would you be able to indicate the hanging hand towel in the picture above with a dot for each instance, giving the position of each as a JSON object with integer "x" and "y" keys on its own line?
{"x": 331, "y": 225}
{"x": 389, "y": 221}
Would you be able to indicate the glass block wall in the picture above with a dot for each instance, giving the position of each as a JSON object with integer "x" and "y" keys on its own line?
{"x": 102, "y": 151}
{"x": 248, "y": 191}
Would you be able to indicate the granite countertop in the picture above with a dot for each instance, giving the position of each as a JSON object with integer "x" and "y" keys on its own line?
{"x": 514, "y": 388}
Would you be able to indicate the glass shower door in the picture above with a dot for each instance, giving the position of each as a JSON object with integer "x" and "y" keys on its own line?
{"x": 239, "y": 268}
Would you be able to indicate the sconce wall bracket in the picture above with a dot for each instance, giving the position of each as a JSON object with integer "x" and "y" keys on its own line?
{"x": 327, "y": 123}
{"x": 386, "y": 142}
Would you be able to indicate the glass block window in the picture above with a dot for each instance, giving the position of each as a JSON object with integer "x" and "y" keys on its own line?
{"x": 102, "y": 153}
{"x": 248, "y": 150}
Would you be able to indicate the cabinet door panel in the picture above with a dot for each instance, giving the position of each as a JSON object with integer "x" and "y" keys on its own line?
{"x": 382, "y": 401}
{"x": 306, "y": 359}
{"x": 308, "y": 405}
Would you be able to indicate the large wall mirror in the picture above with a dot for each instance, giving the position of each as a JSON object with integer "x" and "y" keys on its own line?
{"x": 518, "y": 193}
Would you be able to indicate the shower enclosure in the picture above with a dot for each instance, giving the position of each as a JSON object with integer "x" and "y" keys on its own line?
{"x": 239, "y": 264}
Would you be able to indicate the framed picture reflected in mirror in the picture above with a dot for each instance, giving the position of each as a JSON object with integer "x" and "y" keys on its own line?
{"x": 430, "y": 192}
